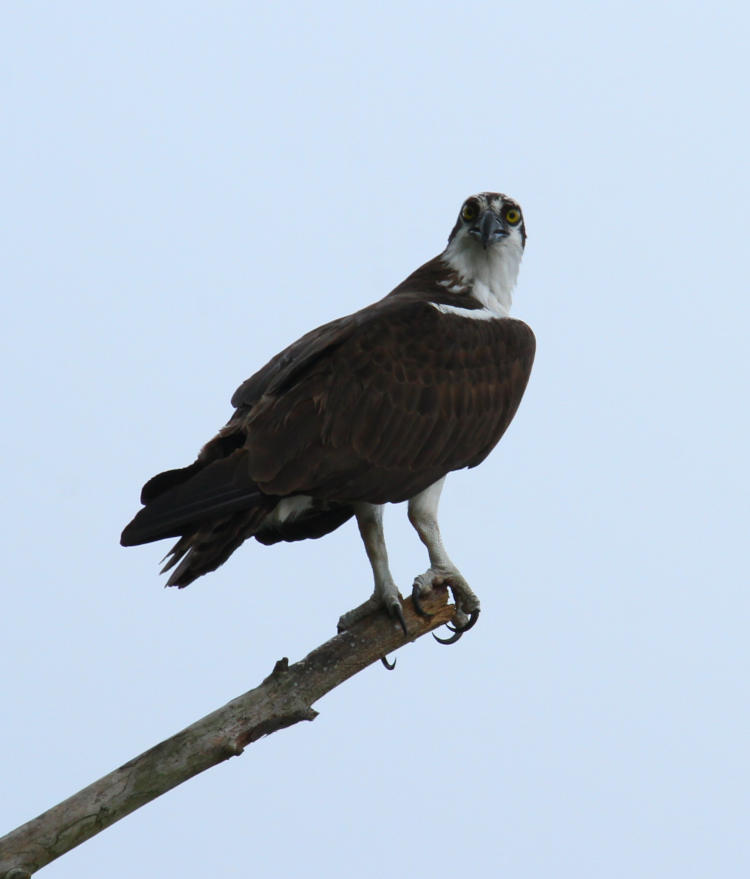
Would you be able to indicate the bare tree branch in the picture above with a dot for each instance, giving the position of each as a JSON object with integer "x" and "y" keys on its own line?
{"x": 285, "y": 697}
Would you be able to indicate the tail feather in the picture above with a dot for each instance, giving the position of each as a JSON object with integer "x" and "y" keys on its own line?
{"x": 213, "y": 491}
{"x": 213, "y": 506}
{"x": 209, "y": 547}
{"x": 162, "y": 482}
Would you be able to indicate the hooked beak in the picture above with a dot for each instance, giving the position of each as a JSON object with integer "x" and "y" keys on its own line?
{"x": 488, "y": 229}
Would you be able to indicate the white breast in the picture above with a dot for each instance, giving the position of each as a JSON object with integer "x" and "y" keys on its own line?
{"x": 491, "y": 273}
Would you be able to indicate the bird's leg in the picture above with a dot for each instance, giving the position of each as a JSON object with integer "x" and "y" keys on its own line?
{"x": 442, "y": 572}
{"x": 386, "y": 594}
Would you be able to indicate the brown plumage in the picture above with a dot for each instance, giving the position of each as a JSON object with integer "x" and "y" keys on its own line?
{"x": 374, "y": 407}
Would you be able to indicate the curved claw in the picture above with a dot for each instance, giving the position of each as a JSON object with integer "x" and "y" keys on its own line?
{"x": 417, "y": 606}
{"x": 397, "y": 611}
{"x": 389, "y": 665}
{"x": 452, "y": 639}
{"x": 473, "y": 617}
{"x": 458, "y": 631}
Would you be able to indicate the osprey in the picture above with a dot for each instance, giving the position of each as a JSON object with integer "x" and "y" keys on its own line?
{"x": 373, "y": 408}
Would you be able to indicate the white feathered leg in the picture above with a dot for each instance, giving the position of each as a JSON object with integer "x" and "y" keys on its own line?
{"x": 386, "y": 594}
{"x": 423, "y": 509}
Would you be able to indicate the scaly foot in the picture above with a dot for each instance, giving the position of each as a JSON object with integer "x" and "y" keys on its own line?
{"x": 467, "y": 603}
{"x": 387, "y": 598}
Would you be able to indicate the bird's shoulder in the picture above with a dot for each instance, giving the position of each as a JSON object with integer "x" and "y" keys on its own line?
{"x": 427, "y": 312}
{"x": 390, "y": 316}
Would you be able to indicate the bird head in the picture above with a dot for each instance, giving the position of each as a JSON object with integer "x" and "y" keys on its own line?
{"x": 489, "y": 220}
{"x": 486, "y": 246}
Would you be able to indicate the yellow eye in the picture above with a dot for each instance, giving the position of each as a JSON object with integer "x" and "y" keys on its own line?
{"x": 512, "y": 216}
{"x": 469, "y": 211}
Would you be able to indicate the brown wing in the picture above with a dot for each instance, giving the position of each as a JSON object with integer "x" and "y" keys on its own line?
{"x": 387, "y": 404}
{"x": 294, "y": 360}
{"x": 215, "y": 489}
{"x": 375, "y": 406}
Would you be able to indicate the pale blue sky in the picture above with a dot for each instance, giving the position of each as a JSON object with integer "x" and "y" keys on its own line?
{"x": 189, "y": 187}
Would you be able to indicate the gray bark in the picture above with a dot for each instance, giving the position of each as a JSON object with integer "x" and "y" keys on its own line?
{"x": 285, "y": 697}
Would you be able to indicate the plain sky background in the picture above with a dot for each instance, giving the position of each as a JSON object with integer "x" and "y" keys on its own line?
{"x": 187, "y": 188}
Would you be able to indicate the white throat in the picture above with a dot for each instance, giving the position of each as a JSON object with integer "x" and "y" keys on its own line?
{"x": 492, "y": 273}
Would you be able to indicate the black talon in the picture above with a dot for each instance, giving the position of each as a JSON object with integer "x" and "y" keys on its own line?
{"x": 389, "y": 665}
{"x": 398, "y": 612}
{"x": 457, "y": 632}
{"x": 473, "y": 617}
{"x": 417, "y": 606}
{"x": 452, "y": 639}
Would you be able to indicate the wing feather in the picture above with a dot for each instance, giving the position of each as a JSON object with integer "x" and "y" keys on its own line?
{"x": 402, "y": 396}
